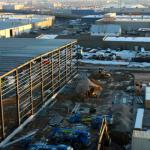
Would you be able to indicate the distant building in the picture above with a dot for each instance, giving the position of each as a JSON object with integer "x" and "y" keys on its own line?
{"x": 13, "y": 25}
{"x": 105, "y": 30}
{"x": 57, "y": 5}
{"x": 90, "y": 19}
{"x": 13, "y": 7}
{"x": 133, "y": 43}
{"x": 83, "y": 12}
{"x": 128, "y": 23}
{"x": 130, "y": 11}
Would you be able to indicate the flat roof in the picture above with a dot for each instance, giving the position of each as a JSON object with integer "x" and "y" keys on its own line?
{"x": 17, "y": 51}
{"x": 139, "y": 118}
{"x": 47, "y": 36}
{"x": 8, "y": 25}
{"x": 127, "y": 39}
{"x": 12, "y": 21}
{"x": 93, "y": 16}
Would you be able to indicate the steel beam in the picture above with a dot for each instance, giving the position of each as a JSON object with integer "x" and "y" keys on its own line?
{"x": 17, "y": 97}
{"x": 42, "y": 82}
{"x": 31, "y": 100}
{"x": 2, "y": 111}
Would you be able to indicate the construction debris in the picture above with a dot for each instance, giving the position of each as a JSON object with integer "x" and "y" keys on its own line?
{"x": 80, "y": 108}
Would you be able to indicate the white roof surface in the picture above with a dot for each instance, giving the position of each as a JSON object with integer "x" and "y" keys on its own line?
{"x": 139, "y": 118}
{"x": 93, "y": 16}
{"x": 127, "y": 39}
{"x": 47, "y": 36}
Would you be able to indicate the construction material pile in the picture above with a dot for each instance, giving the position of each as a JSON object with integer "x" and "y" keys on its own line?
{"x": 87, "y": 88}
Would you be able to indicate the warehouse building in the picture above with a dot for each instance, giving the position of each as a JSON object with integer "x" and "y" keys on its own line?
{"x": 31, "y": 72}
{"x": 130, "y": 43}
{"x": 128, "y": 23}
{"x": 12, "y": 7}
{"x": 90, "y": 19}
{"x": 130, "y": 11}
{"x": 13, "y": 25}
{"x": 105, "y": 30}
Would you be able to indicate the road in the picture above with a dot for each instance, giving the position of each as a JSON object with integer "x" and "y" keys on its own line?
{"x": 117, "y": 68}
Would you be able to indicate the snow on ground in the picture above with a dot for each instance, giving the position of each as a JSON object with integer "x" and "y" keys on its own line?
{"x": 100, "y": 62}
{"x": 141, "y": 65}
{"x": 119, "y": 63}
{"x": 124, "y": 54}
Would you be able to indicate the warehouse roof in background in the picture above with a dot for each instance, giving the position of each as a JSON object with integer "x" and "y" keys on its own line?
{"x": 127, "y": 39}
{"x": 17, "y": 51}
{"x": 12, "y": 21}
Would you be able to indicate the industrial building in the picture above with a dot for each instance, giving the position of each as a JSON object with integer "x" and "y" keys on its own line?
{"x": 106, "y": 30}
{"x": 128, "y": 23}
{"x": 13, "y": 25}
{"x": 90, "y": 19}
{"x": 130, "y": 11}
{"x": 12, "y": 7}
{"x": 130, "y": 43}
{"x": 31, "y": 71}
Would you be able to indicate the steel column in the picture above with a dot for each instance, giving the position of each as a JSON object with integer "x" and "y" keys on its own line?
{"x": 17, "y": 97}
{"x": 66, "y": 63}
{"x": 71, "y": 60}
{"x": 2, "y": 112}
{"x": 31, "y": 100}
{"x": 59, "y": 67}
{"x": 42, "y": 82}
{"x": 52, "y": 78}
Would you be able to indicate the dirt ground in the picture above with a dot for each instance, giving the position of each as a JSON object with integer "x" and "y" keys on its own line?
{"x": 142, "y": 77}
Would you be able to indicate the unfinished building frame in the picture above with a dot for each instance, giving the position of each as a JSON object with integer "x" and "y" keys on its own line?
{"x": 32, "y": 84}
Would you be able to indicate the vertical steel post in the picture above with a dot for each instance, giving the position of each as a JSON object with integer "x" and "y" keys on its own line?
{"x": 50, "y": 71}
{"x": 52, "y": 78}
{"x": 31, "y": 100}
{"x": 70, "y": 60}
{"x": 66, "y": 64}
{"x": 2, "y": 112}
{"x": 42, "y": 82}
{"x": 17, "y": 97}
{"x": 59, "y": 67}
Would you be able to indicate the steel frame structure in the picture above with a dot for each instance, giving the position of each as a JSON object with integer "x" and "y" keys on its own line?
{"x": 32, "y": 84}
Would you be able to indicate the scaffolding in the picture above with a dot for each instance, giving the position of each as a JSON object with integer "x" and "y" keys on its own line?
{"x": 26, "y": 88}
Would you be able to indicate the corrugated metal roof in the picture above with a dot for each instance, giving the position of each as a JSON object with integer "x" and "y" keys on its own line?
{"x": 16, "y": 51}
{"x": 127, "y": 39}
